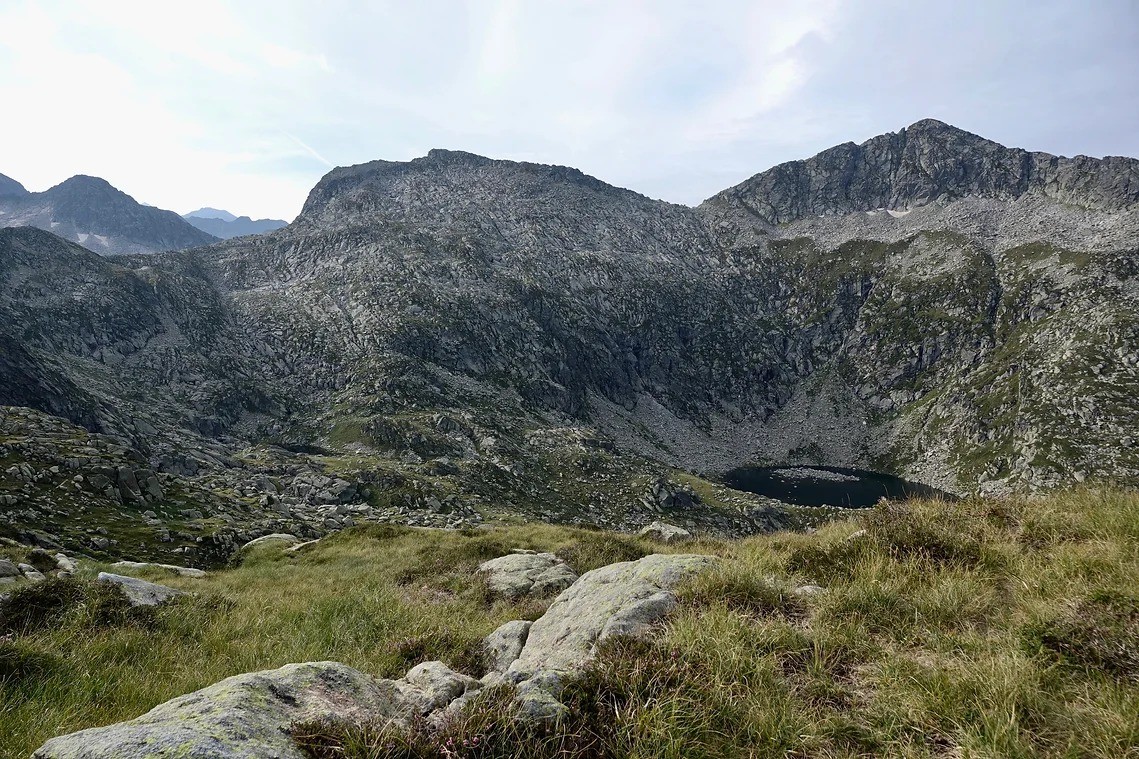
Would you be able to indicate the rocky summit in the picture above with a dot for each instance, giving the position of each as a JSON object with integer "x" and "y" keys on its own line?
{"x": 89, "y": 211}
{"x": 457, "y": 339}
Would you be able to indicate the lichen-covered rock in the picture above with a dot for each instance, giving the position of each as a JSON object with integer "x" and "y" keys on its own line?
{"x": 624, "y": 599}
{"x": 438, "y": 685}
{"x": 8, "y": 569}
{"x": 180, "y": 571}
{"x": 504, "y": 645}
{"x": 276, "y": 537}
{"x": 140, "y": 592}
{"x": 665, "y": 532}
{"x": 627, "y": 595}
{"x": 248, "y": 716}
{"x": 527, "y": 573}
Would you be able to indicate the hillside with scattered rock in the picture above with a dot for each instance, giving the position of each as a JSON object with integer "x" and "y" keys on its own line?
{"x": 457, "y": 340}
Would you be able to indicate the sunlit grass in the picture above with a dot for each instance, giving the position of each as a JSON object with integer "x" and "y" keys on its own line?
{"x": 975, "y": 629}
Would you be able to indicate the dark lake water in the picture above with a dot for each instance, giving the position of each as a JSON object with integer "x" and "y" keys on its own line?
{"x": 826, "y": 486}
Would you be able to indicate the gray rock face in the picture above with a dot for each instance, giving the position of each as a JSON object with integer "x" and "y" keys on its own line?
{"x": 8, "y": 569}
{"x": 10, "y": 188}
{"x": 665, "y": 532}
{"x": 141, "y": 592}
{"x": 505, "y": 644}
{"x": 625, "y": 599}
{"x": 91, "y": 212}
{"x": 527, "y": 573}
{"x": 930, "y": 161}
{"x": 613, "y": 600}
{"x": 248, "y": 716}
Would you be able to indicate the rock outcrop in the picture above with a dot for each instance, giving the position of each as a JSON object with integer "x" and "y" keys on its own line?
{"x": 249, "y": 716}
{"x": 527, "y": 573}
{"x": 140, "y": 592}
{"x": 665, "y": 532}
{"x": 624, "y": 599}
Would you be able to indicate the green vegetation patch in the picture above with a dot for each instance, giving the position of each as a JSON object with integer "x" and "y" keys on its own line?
{"x": 983, "y": 628}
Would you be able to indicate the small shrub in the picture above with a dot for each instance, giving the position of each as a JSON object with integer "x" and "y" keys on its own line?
{"x": 459, "y": 556}
{"x": 106, "y": 605}
{"x": 591, "y": 551}
{"x": 40, "y": 605}
{"x": 488, "y": 728}
{"x": 743, "y": 591}
{"x": 828, "y": 563}
{"x": 462, "y": 654}
{"x": 940, "y": 540}
{"x": 40, "y": 559}
{"x": 1101, "y": 632}
{"x": 19, "y": 662}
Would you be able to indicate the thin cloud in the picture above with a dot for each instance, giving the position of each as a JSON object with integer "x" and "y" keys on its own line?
{"x": 667, "y": 98}
{"x": 308, "y": 149}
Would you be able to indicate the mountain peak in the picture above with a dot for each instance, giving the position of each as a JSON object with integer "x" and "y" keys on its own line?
{"x": 92, "y": 212}
{"x": 926, "y": 162}
{"x": 10, "y": 188}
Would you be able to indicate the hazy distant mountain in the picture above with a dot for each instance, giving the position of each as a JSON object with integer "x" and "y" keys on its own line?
{"x": 210, "y": 213}
{"x": 10, "y": 188}
{"x": 91, "y": 212}
{"x": 225, "y": 225}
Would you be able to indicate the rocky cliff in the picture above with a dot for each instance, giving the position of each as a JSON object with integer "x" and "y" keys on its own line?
{"x": 458, "y": 338}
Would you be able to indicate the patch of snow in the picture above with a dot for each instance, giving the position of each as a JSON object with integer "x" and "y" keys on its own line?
{"x": 899, "y": 214}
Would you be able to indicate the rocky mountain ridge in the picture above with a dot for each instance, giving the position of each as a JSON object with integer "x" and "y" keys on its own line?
{"x": 89, "y": 211}
{"x": 458, "y": 339}
{"x": 926, "y": 162}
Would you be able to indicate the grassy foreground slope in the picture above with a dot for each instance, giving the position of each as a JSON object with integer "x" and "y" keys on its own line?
{"x": 981, "y": 629}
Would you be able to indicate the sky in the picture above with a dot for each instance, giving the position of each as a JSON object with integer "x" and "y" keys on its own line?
{"x": 245, "y": 104}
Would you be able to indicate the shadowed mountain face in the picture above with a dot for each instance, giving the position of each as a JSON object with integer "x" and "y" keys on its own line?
{"x": 526, "y": 339}
{"x": 10, "y": 188}
{"x": 91, "y": 212}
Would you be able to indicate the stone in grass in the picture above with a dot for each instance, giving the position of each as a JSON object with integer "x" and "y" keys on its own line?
{"x": 664, "y": 532}
{"x": 180, "y": 571}
{"x": 276, "y": 537}
{"x": 140, "y": 592}
{"x": 31, "y": 573}
{"x": 526, "y": 573}
{"x": 504, "y": 645}
{"x": 249, "y": 716}
{"x": 625, "y": 599}
{"x": 8, "y": 569}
